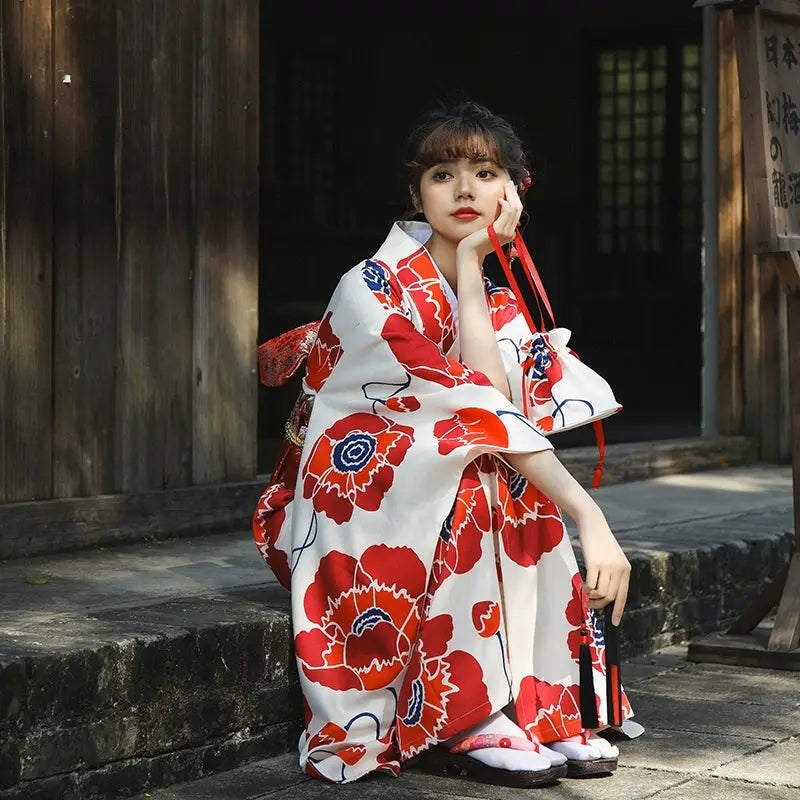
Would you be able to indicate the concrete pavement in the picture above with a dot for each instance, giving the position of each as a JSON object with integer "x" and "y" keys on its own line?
{"x": 712, "y": 731}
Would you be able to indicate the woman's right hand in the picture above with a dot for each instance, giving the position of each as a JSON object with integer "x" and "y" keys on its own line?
{"x": 505, "y": 226}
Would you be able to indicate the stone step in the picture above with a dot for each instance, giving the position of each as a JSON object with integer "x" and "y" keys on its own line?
{"x": 75, "y": 523}
{"x": 140, "y": 666}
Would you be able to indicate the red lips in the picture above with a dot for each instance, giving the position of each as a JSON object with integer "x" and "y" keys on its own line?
{"x": 465, "y": 213}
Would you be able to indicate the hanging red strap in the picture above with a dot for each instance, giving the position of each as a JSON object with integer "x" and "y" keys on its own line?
{"x": 532, "y": 274}
{"x": 501, "y": 256}
{"x": 537, "y": 287}
{"x": 601, "y": 446}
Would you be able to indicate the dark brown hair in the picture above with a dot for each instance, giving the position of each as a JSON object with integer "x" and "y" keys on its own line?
{"x": 463, "y": 129}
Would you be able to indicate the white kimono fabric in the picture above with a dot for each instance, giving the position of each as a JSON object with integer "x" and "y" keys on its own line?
{"x": 431, "y": 584}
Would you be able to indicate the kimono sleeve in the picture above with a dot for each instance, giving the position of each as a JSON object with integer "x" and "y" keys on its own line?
{"x": 514, "y": 339}
{"x": 372, "y": 369}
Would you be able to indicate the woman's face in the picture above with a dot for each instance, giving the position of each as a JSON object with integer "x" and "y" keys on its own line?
{"x": 459, "y": 197}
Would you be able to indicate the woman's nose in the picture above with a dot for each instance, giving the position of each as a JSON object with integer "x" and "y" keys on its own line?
{"x": 464, "y": 188}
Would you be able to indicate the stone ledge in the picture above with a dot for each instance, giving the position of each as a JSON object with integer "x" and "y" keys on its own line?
{"x": 134, "y": 698}
{"x": 637, "y": 461}
{"x": 52, "y": 526}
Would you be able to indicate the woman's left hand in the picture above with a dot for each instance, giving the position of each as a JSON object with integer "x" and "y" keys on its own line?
{"x": 505, "y": 226}
{"x": 608, "y": 571}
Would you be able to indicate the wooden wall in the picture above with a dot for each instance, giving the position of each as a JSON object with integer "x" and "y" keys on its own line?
{"x": 753, "y": 338}
{"x": 129, "y": 254}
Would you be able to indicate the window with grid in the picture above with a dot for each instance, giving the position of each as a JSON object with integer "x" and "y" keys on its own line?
{"x": 632, "y": 147}
{"x": 691, "y": 217}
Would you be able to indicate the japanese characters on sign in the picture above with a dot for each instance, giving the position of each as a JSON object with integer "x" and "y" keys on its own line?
{"x": 780, "y": 69}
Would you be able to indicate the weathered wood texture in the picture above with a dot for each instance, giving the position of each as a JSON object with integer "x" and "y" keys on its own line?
{"x": 730, "y": 406}
{"x": 26, "y": 251}
{"x": 764, "y": 338}
{"x": 129, "y": 260}
{"x": 85, "y": 248}
{"x": 157, "y": 41}
{"x": 226, "y": 273}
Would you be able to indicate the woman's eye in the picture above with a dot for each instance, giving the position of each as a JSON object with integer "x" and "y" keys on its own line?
{"x": 486, "y": 173}
{"x": 440, "y": 176}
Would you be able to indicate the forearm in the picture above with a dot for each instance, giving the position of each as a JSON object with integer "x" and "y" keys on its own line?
{"x": 477, "y": 338}
{"x": 546, "y": 472}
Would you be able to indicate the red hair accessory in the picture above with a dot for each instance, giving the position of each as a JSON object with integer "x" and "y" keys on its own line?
{"x": 526, "y": 184}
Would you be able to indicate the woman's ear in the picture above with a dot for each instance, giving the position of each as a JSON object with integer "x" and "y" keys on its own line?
{"x": 415, "y": 200}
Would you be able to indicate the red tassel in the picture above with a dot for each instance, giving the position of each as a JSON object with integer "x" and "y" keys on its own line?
{"x": 588, "y": 703}
{"x": 613, "y": 678}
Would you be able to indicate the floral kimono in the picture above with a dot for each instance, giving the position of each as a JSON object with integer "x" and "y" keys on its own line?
{"x": 431, "y": 584}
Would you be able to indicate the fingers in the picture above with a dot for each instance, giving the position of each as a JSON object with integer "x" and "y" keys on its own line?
{"x": 612, "y": 586}
{"x": 622, "y": 598}
{"x": 510, "y": 210}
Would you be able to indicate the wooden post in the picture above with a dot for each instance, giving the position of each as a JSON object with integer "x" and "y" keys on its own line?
{"x": 768, "y": 71}
{"x": 730, "y": 409}
{"x": 786, "y": 630}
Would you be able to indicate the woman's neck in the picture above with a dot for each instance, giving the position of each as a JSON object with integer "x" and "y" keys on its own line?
{"x": 443, "y": 253}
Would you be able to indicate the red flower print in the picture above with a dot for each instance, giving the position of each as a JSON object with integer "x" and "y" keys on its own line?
{"x": 333, "y": 734}
{"x": 486, "y": 618}
{"x": 324, "y": 355}
{"x": 548, "y": 711}
{"x": 503, "y": 306}
{"x": 423, "y": 358}
{"x": 579, "y": 616}
{"x": 438, "y": 687}
{"x": 365, "y": 615}
{"x": 459, "y": 545}
{"x": 575, "y": 614}
{"x": 540, "y": 391}
{"x": 267, "y": 522}
{"x": 352, "y": 464}
{"x": 408, "y": 403}
{"x": 420, "y": 279}
{"x": 529, "y": 523}
{"x": 470, "y": 426}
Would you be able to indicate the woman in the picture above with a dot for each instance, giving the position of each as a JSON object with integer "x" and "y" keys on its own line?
{"x": 437, "y": 606}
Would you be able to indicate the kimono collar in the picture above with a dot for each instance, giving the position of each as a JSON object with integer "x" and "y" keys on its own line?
{"x": 404, "y": 253}
{"x": 405, "y": 238}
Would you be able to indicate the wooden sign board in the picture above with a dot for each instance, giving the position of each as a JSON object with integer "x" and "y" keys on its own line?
{"x": 768, "y": 51}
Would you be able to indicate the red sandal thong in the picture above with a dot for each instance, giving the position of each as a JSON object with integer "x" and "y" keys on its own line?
{"x": 455, "y": 761}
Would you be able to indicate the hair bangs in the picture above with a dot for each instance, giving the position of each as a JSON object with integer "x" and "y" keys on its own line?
{"x": 449, "y": 142}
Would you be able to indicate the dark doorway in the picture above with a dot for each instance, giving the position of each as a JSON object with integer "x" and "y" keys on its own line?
{"x": 336, "y": 103}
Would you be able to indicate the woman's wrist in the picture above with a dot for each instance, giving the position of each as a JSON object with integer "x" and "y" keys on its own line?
{"x": 588, "y": 515}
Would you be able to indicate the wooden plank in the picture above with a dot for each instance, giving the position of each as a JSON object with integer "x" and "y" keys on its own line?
{"x": 793, "y": 309}
{"x": 770, "y": 371}
{"x": 56, "y": 526}
{"x": 226, "y": 277}
{"x": 786, "y": 631}
{"x": 789, "y": 272}
{"x": 784, "y": 8}
{"x": 26, "y": 257}
{"x": 85, "y": 248}
{"x": 761, "y": 230}
{"x": 155, "y": 219}
{"x": 730, "y": 411}
{"x": 741, "y": 651}
{"x": 761, "y": 606}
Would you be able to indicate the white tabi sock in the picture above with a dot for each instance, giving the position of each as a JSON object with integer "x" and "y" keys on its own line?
{"x": 505, "y": 757}
{"x": 575, "y": 749}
